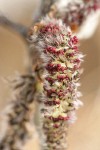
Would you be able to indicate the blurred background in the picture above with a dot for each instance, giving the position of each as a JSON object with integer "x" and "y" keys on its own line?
{"x": 85, "y": 133}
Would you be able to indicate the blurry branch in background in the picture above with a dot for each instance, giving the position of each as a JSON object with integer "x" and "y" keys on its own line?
{"x": 18, "y": 117}
{"x": 21, "y": 29}
{"x": 46, "y": 5}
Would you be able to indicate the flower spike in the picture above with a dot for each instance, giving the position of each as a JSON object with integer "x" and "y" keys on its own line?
{"x": 61, "y": 61}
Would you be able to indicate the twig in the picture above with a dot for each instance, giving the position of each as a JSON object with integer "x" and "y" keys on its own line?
{"x": 19, "y": 115}
{"x": 21, "y": 29}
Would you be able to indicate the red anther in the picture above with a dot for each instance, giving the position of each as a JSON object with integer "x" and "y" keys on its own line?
{"x": 50, "y": 67}
{"x": 52, "y": 103}
{"x": 60, "y": 77}
{"x": 50, "y": 80}
{"x": 95, "y": 7}
{"x": 74, "y": 40}
{"x": 60, "y": 52}
{"x": 55, "y": 119}
{"x": 67, "y": 78}
{"x": 56, "y": 126}
{"x": 59, "y": 65}
{"x": 71, "y": 54}
{"x": 62, "y": 68}
{"x": 63, "y": 118}
{"x": 56, "y": 102}
{"x": 50, "y": 28}
{"x": 51, "y": 49}
{"x": 75, "y": 48}
{"x": 58, "y": 119}
{"x": 60, "y": 94}
{"x": 77, "y": 61}
{"x": 50, "y": 92}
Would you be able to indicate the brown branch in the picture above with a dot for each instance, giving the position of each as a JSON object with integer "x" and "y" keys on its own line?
{"x": 18, "y": 117}
{"x": 21, "y": 29}
{"x": 46, "y": 6}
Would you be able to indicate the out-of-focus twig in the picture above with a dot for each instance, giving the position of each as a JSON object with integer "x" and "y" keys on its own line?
{"x": 46, "y": 4}
{"x": 17, "y": 118}
{"x": 21, "y": 29}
